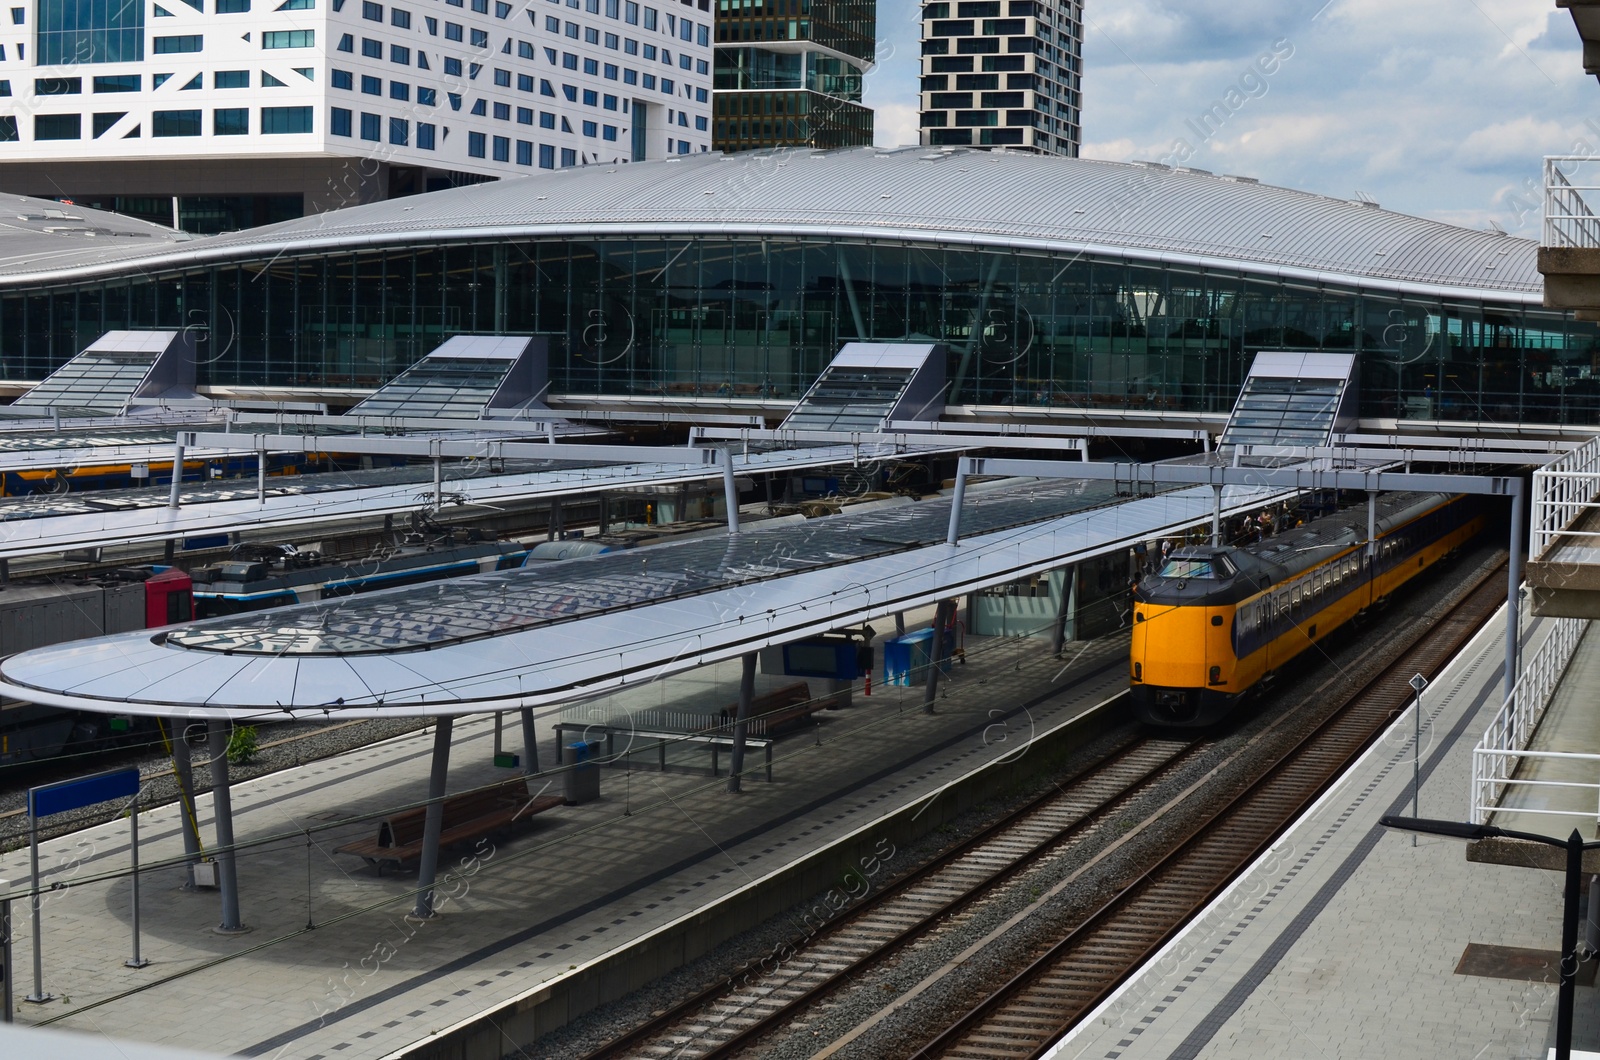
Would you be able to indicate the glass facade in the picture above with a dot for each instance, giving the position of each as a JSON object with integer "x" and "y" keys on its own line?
{"x": 719, "y": 316}
{"x": 746, "y": 121}
{"x": 786, "y": 98}
{"x": 89, "y": 31}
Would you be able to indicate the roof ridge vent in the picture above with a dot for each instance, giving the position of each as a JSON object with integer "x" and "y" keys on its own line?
{"x": 1150, "y": 165}
{"x": 1241, "y": 180}
{"x": 1191, "y": 169}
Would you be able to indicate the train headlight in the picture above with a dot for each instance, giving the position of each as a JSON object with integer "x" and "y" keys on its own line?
{"x": 1138, "y": 671}
{"x": 1216, "y": 675}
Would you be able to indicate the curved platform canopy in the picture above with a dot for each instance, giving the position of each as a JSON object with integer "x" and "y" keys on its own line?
{"x": 580, "y": 627}
{"x": 1133, "y": 211}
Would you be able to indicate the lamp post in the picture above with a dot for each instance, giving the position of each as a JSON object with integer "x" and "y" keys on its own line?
{"x": 1574, "y": 846}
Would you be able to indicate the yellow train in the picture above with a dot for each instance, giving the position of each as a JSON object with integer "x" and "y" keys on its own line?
{"x": 1215, "y": 621}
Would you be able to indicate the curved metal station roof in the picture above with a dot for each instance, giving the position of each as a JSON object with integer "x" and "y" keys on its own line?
{"x": 1139, "y": 211}
{"x": 579, "y": 627}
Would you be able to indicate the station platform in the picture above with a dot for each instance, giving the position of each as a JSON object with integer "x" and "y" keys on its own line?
{"x": 334, "y": 968}
{"x": 1566, "y": 786}
{"x": 1348, "y": 940}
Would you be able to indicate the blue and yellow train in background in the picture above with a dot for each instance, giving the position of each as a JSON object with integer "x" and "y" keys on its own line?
{"x": 1214, "y": 622}
{"x": 54, "y": 481}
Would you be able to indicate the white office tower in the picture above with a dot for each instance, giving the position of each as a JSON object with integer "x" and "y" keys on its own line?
{"x": 1003, "y": 73}
{"x": 223, "y": 114}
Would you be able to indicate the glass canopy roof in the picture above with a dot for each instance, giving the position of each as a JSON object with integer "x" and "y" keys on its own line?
{"x": 101, "y": 381}
{"x": 443, "y": 387}
{"x": 423, "y": 617}
{"x": 1284, "y": 412}
{"x": 848, "y": 398}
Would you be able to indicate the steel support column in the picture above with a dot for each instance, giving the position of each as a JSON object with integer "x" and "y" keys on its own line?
{"x": 730, "y": 493}
{"x": 1058, "y": 632}
{"x": 177, "y": 472}
{"x": 741, "y": 721}
{"x": 941, "y": 618}
{"x": 1514, "y": 595}
{"x": 433, "y": 825}
{"x": 1372, "y": 525}
{"x": 222, "y": 808}
{"x": 960, "y": 495}
{"x": 530, "y": 746}
{"x": 183, "y": 766}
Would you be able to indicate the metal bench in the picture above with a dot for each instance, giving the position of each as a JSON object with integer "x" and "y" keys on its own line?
{"x": 715, "y": 741}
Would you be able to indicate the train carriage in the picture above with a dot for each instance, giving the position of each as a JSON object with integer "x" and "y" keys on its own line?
{"x": 1215, "y": 621}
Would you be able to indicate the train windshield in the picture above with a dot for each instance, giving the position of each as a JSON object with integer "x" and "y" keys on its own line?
{"x": 1189, "y": 567}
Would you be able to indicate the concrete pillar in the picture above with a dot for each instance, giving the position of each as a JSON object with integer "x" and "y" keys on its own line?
{"x": 530, "y": 746}
{"x": 1216, "y": 516}
{"x": 605, "y": 514}
{"x": 434, "y": 823}
{"x": 741, "y": 720}
{"x": 222, "y": 807}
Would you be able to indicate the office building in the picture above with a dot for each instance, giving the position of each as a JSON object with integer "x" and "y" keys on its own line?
{"x": 788, "y": 73}
{"x": 223, "y": 114}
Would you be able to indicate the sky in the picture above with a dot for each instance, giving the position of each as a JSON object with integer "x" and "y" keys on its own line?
{"x": 1439, "y": 108}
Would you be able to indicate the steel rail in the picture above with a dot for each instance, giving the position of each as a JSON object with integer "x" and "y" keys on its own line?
{"x": 1029, "y": 1012}
{"x": 1021, "y": 855}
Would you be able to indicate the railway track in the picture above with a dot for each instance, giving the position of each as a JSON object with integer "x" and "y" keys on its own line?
{"x": 1025, "y": 1015}
{"x": 728, "y": 1017}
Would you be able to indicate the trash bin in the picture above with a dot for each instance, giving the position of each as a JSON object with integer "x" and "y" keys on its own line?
{"x": 583, "y": 772}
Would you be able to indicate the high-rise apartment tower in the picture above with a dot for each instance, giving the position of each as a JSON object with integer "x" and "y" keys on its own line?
{"x": 1002, "y": 73}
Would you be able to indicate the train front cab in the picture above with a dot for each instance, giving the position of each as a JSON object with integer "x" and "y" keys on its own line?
{"x": 1183, "y": 667}
{"x": 168, "y": 598}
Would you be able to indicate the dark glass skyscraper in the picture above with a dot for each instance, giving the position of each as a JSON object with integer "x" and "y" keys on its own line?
{"x": 788, "y": 73}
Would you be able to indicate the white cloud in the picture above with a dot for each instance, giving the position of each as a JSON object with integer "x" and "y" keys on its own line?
{"x": 1431, "y": 106}
{"x": 1120, "y": 150}
{"x": 895, "y": 124}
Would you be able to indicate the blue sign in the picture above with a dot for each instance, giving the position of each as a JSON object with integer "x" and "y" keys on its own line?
{"x": 85, "y": 791}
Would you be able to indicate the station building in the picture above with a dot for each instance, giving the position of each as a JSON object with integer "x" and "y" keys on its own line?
{"x": 1064, "y": 288}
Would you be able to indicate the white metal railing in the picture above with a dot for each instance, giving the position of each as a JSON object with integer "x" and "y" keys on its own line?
{"x": 1571, "y": 194}
{"x": 1562, "y": 491}
{"x": 1504, "y": 744}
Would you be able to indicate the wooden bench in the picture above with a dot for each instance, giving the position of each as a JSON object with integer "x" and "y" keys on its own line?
{"x": 781, "y": 707}
{"x": 468, "y": 817}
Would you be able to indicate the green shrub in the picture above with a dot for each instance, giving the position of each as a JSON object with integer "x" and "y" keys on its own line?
{"x": 242, "y": 745}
